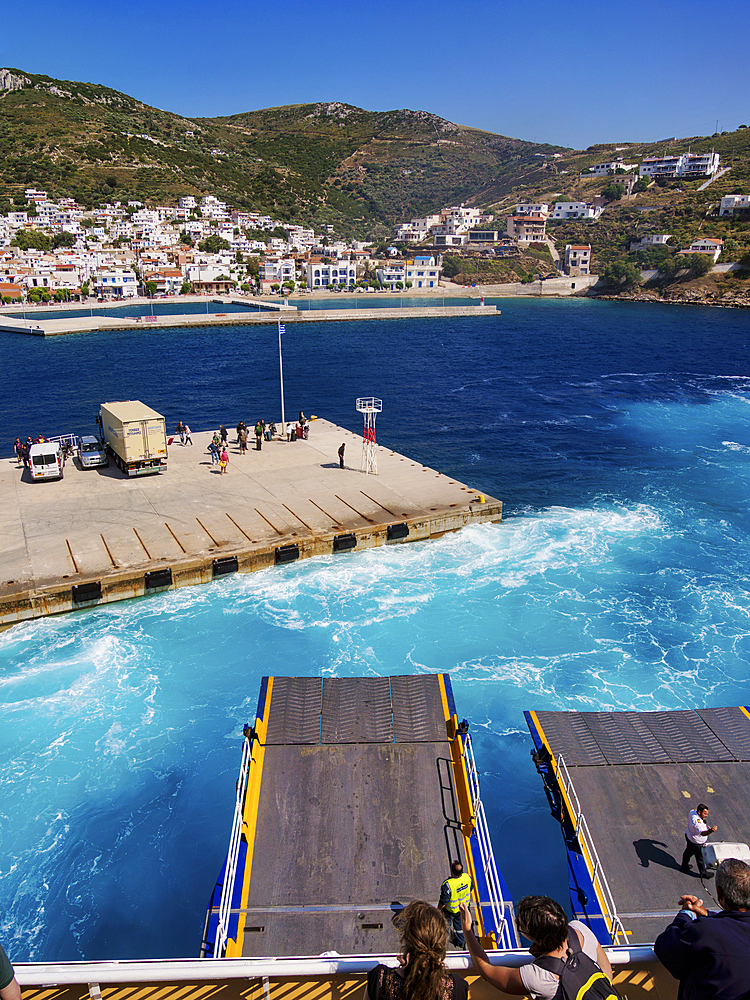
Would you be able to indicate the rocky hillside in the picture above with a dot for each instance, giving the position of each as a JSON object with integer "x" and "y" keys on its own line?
{"x": 318, "y": 164}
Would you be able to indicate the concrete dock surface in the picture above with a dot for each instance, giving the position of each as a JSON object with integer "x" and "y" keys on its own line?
{"x": 59, "y": 326}
{"x": 97, "y": 526}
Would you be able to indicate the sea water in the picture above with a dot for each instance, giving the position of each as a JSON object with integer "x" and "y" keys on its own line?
{"x": 619, "y": 439}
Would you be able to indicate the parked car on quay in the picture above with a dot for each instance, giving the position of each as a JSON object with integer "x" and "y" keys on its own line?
{"x": 92, "y": 452}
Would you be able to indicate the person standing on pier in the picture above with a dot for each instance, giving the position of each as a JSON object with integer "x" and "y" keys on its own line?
{"x": 258, "y": 435}
{"x": 341, "y": 455}
{"x": 223, "y": 461}
{"x": 180, "y": 429}
{"x": 696, "y": 836}
{"x": 18, "y": 449}
{"x": 9, "y": 988}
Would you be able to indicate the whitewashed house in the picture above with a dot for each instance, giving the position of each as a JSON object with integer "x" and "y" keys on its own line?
{"x": 712, "y": 248}
{"x": 732, "y": 204}
{"x": 577, "y": 259}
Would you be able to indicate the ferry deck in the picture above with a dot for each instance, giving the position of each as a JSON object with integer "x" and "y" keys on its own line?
{"x": 358, "y": 794}
{"x": 621, "y": 784}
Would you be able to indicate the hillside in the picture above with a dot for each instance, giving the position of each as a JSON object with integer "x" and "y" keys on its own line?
{"x": 317, "y": 164}
{"x": 676, "y": 207}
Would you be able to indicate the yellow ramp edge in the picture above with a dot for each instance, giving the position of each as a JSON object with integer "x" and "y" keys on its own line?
{"x": 250, "y": 818}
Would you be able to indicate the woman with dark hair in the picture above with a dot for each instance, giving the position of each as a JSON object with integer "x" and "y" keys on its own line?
{"x": 544, "y": 923}
{"x": 421, "y": 974}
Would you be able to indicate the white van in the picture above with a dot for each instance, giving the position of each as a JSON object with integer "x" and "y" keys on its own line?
{"x": 46, "y": 460}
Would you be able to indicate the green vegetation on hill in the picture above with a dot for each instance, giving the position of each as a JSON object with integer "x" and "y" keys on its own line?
{"x": 315, "y": 164}
{"x": 361, "y": 171}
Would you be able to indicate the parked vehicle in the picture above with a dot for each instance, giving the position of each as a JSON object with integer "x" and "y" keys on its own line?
{"x": 92, "y": 452}
{"x": 46, "y": 460}
{"x": 136, "y": 437}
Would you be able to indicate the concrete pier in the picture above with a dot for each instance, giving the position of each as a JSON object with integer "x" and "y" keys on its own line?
{"x": 56, "y": 327}
{"x": 101, "y": 533}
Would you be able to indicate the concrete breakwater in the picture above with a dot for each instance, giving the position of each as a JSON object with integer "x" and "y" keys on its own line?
{"x": 95, "y": 536}
{"x": 85, "y": 324}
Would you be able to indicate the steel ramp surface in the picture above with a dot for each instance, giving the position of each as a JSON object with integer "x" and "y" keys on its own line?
{"x": 636, "y": 776}
{"x": 356, "y": 813}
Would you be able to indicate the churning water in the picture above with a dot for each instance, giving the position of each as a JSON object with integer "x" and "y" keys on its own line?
{"x": 619, "y": 439}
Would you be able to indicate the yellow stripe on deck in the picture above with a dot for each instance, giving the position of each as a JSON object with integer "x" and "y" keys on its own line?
{"x": 250, "y": 818}
{"x": 571, "y": 813}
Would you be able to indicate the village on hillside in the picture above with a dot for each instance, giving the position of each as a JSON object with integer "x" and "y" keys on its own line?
{"x": 57, "y": 250}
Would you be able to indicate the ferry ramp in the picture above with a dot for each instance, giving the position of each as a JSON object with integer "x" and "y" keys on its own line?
{"x": 353, "y": 813}
{"x": 622, "y": 784}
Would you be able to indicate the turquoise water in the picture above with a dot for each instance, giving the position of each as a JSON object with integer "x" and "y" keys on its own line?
{"x": 619, "y": 439}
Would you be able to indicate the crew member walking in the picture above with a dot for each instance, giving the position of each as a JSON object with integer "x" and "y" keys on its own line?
{"x": 696, "y": 836}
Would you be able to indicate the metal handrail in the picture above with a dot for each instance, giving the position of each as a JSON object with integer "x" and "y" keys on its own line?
{"x": 71, "y": 439}
{"x": 585, "y": 839}
{"x": 230, "y": 873}
{"x": 496, "y": 902}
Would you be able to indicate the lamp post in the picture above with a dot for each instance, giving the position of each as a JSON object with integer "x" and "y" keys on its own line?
{"x": 282, "y": 328}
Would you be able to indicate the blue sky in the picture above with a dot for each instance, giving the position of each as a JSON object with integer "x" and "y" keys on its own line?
{"x": 573, "y": 73}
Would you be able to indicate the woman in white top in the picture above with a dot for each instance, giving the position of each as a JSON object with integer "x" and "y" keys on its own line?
{"x": 544, "y": 923}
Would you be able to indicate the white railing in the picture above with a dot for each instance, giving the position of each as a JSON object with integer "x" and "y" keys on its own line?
{"x": 230, "y": 873}
{"x": 596, "y": 870}
{"x": 186, "y": 970}
{"x": 494, "y": 891}
{"x": 71, "y": 439}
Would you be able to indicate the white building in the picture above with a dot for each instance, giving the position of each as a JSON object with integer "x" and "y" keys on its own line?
{"x": 712, "y": 248}
{"x": 529, "y": 208}
{"x": 277, "y": 271}
{"x": 575, "y": 210}
{"x": 734, "y": 203}
{"x": 391, "y": 275}
{"x": 339, "y": 272}
{"x": 645, "y": 242}
{"x": 577, "y": 259}
{"x": 699, "y": 165}
{"x": 685, "y": 165}
{"x": 423, "y": 272}
{"x": 188, "y": 202}
{"x": 115, "y": 283}
{"x": 609, "y": 167}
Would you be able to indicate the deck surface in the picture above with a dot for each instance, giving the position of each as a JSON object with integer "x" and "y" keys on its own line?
{"x": 637, "y": 775}
{"x": 357, "y": 812}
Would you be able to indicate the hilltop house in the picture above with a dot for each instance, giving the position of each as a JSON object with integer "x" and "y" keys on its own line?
{"x": 609, "y": 167}
{"x": 646, "y": 242}
{"x": 529, "y": 208}
{"x": 711, "y": 248}
{"x": 735, "y": 204}
{"x": 527, "y": 228}
{"x": 687, "y": 165}
{"x": 575, "y": 210}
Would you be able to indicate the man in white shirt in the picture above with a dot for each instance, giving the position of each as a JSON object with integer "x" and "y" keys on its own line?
{"x": 696, "y": 836}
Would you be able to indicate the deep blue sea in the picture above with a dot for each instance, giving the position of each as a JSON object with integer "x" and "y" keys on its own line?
{"x": 618, "y": 437}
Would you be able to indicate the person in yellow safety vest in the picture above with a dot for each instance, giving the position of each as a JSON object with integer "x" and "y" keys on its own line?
{"x": 454, "y": 891}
